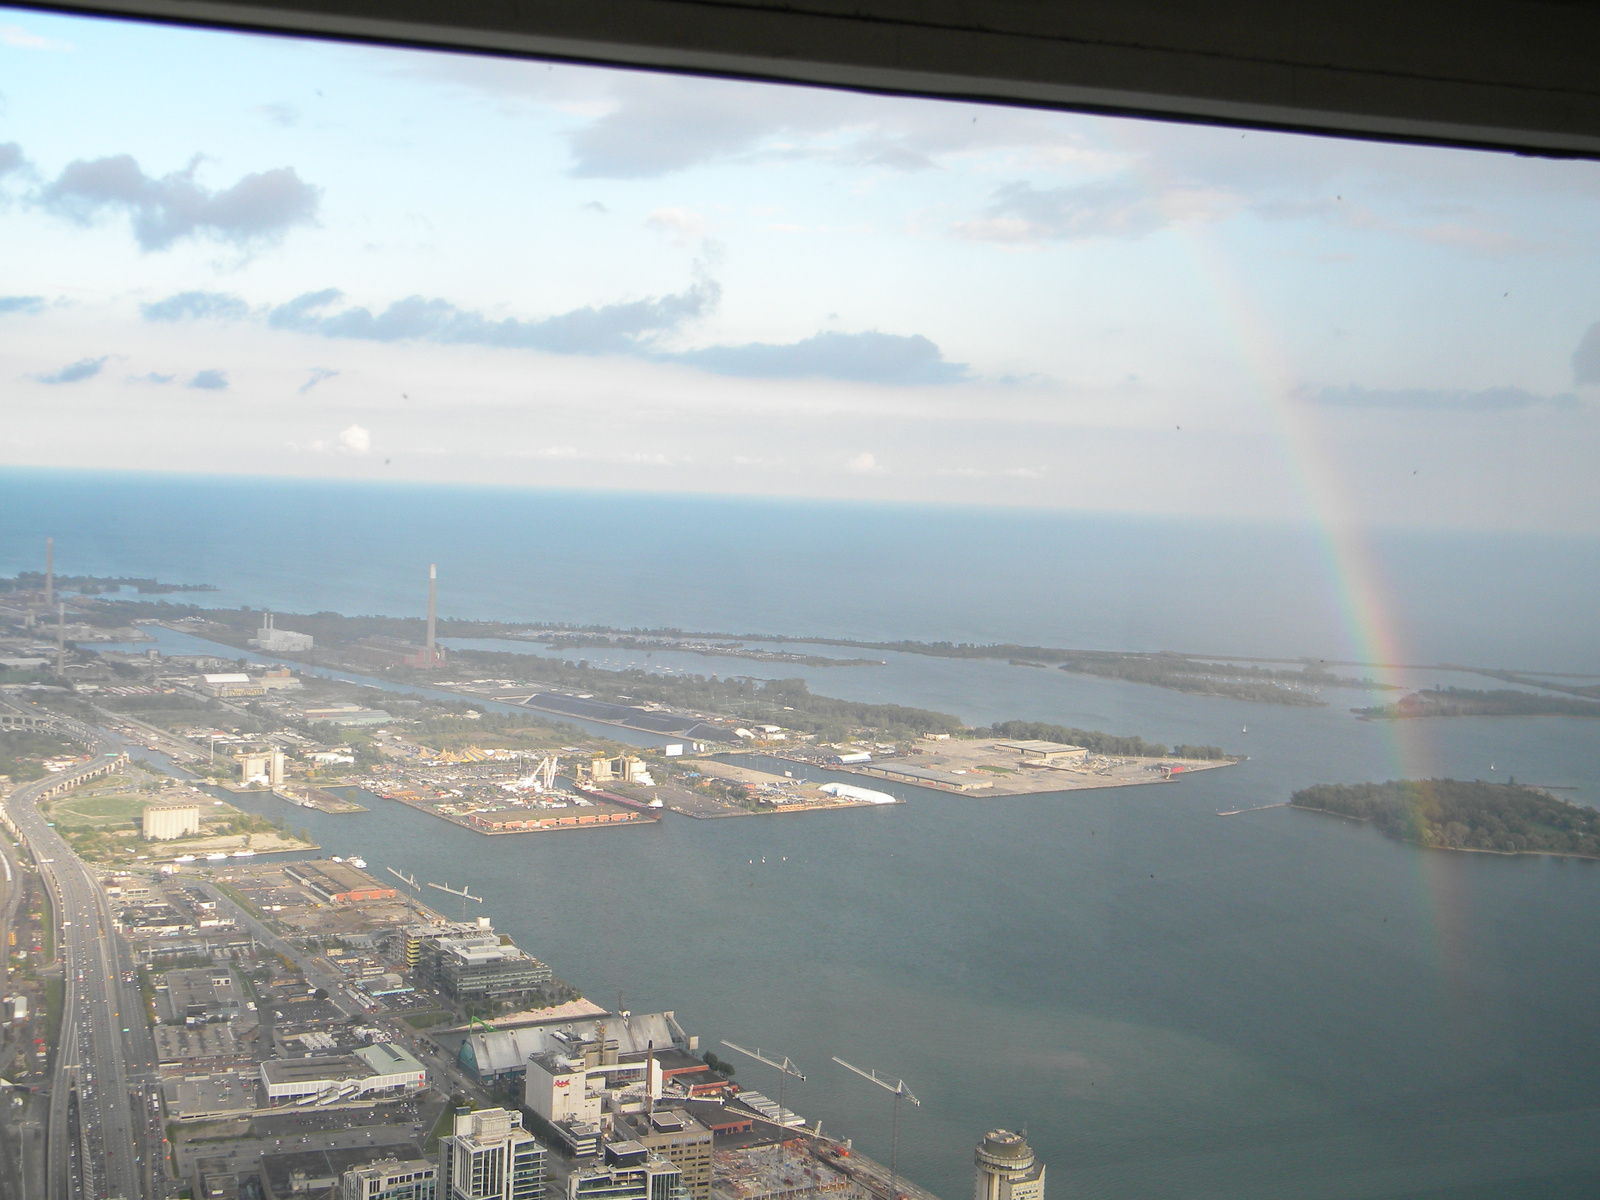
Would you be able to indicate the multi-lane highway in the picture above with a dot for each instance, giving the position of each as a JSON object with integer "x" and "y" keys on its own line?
{"x": 99, "y": 1137}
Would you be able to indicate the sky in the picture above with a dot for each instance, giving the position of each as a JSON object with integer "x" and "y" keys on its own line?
{"x": 235, "y": 253}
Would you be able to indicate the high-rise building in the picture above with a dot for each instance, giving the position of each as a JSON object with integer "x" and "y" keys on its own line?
{"x": 490, "y": 1156}
{"x": 629, "y": 1171}
{"x": 1007, "y": 1168}
{"x": 391, "y": 1179}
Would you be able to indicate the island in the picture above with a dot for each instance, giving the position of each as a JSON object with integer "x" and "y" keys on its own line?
{"x": 1449, "y": 814}
{"x": 1465, "y": 702}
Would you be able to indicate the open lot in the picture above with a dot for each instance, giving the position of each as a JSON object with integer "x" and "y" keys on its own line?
{"x": 994, "y": 767}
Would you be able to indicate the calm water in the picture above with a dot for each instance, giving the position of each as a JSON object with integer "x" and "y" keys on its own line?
{"x": 1172, "y": 1003}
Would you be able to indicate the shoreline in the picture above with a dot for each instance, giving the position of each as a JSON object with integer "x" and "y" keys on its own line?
{"x": 1451, "y": 849}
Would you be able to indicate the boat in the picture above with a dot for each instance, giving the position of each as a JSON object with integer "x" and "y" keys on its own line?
{"x": 184, "y": 858}
{"x": 216, "y": 857}
{"x": 244, "y": 853}
{"x": 357, "y": 862}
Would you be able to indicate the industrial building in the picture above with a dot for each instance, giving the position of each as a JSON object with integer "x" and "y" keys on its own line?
{"x": 500, "y": 1056}
{"x": 1035, "y": 752}
{"x": 369, "y": 1073}
{"x": 391, "y": 1179}
{"x": 338, "y": 882}
{"x": 283, "y": 641}
{"x": 1007, "y": 1168}
{"x": 628, "y": 1171}
{"x": 490, "y": 1156}
{"x": 167, "y": 822}
{"x": 261, "y": 766}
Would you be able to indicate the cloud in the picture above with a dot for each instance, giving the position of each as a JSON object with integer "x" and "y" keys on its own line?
{"x": 1495, "y": 399}
{"x": 187, "y": 305}
{"x": 151, "y": 377}
{"x": 211, "y": 380}
{"x": 870, "y": 357}
{"x": 318, "y": 374}
{"x": 259, "y": 207}
{"x": 19, "y": 38}
{"x": 609, "y": 329}
{"x": 862, "y": 464}
{"x": 1586, "y": 358}
{"x": 632, "y": 327}
{"x": 280, "y": 113}
{"x": 84, "y": 368}
{"x": 681, "y": 223}
{"x": 355, "y": 440}
{"x": 1120, "y": 208}
{"x": 11, "y": 158}
{"x": 21, "y": 304}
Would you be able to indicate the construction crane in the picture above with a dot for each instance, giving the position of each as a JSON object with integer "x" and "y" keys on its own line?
{"x": 784, "y": 1069}
{"x": 409, "y": 880}
{"x": 545, "y": 773}
{"x": 464, "y": 893}
{"x": 900, "y": 1092}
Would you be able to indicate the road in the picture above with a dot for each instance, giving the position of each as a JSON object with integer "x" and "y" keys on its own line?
{"x": 102, "y": 1101}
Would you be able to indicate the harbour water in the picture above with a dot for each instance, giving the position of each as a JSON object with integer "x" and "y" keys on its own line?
{"x": 1172, "y": 1003}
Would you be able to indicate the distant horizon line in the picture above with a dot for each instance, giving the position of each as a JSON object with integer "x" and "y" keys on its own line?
{"x": 131, "y": 475}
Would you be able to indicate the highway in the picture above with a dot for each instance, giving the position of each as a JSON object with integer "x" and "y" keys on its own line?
{"x": 102, "y": 1118}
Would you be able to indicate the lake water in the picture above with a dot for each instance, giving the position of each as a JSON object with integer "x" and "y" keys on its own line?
{"x": 1172, "y": 1003}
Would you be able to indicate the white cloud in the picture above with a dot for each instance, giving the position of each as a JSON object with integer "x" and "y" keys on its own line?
{"x": 355, "y": 440}
{"x": 682, "y": 224}
{"x": 19, "y": 38}
{"x": 862, "y": 463}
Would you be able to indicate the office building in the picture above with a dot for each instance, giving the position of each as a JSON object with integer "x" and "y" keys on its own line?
{"x": 672, "y": 1134}
{"x": 391, "y": 1179}
{"x": 490, "y": 1156}
{"x": 165, "y": 822}
{"x": 627, "y": 1171}
{"x": 482, "y": 967}
{"x": 1007, "y": 1168}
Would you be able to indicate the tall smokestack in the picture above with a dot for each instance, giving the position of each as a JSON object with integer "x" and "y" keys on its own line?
{"x": 49, "y": 571}
{"x": 433, "y": 608}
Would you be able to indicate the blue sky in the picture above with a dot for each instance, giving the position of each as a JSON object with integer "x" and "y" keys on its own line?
{"x": 224, "y": 252}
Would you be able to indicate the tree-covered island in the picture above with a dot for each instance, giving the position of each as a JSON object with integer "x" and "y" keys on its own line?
{"x": 1466, "y": 702}
{"x": 1450, "y": 814}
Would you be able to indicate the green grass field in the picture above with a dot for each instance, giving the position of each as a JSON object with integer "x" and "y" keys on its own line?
{"x": 97, "y": 812}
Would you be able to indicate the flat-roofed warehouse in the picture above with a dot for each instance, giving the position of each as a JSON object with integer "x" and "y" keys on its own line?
{"x": 1035, "y": 751}
{"x": 325, "y": 1079}
{"x": 338, "y": 882}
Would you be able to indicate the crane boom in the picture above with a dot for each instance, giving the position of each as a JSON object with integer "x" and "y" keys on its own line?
{"x": 898, "y": 1087}
{"x": 409, "y": 880}
{"x": 787, "y": 1067}
{"x": 463, "y": 892}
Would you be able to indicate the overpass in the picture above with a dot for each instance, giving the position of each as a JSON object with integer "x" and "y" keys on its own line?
{"x": 100, "y": 1140}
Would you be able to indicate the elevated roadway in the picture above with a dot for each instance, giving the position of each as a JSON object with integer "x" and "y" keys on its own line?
{"x": 99, "y": 1131}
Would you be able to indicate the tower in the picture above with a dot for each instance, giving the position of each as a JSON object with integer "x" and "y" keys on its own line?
{"x": 490, "y": 1156}
{"x": 1007, "y": 1168}
{"x": 433, "y": 610}
{"x": 49, "y": 572}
